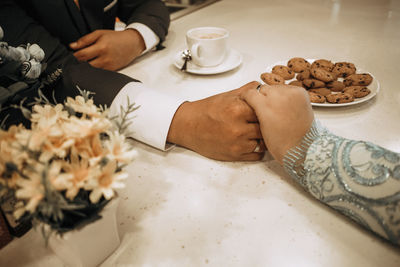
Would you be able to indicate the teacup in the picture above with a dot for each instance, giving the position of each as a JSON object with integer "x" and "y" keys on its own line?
{"x": 208, "y": 45}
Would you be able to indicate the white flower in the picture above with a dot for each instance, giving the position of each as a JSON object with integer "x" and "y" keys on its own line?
{"x": 83, "y": 128}
{"x": 105, "y": 183}
{"x": 78, "y": 104}
{"x": 61, "y": 155}
{"x": 31, "y": 69}
{"x": 36, "y": 52}
{"x": 32, "y": 190}
{"x": 76, "y": 174}
{"x": 118, "y": 148}
{"x": 47, "y": 115}
{"x": 23, "y": 54}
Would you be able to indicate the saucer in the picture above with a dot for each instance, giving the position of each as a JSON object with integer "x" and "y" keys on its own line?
{"x": 232, "y": 60}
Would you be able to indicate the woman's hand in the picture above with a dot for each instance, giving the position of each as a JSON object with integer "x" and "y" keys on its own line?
{"x": 285, "y": 116}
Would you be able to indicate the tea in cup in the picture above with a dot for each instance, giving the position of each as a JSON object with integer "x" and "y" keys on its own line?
{"x": 208, "y": 45}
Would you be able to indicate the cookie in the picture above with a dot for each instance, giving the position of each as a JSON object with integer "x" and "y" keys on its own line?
{"x": 321, "y": 91}
{"x": 322, "y": 74}
{"x": 272, "y": 78}
{"x": 357, "y": 91}
{"x": 335, "y": 86}
{"x": 303, "y": 74}
{"x": 313, "y": 83}
{"x": 323, "y": 63}
{"x": 283, "y": 71}
{"x": 364, "y": 79}
{"x": 297, "y": 64}
{"x": 296, "y": 83}
{"x": 343, "y": 69}
{"x": 339, "y": 98}
{"x": 316, "y": 98}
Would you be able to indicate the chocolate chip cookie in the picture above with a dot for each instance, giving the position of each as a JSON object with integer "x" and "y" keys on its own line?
{"x": 297, "y": 64}
{"x": 272, "y": 78}
{"x": 357, "y": 91}
{"x": 344, "y": 69}
{"x": 322, "y": 74}
{"x": 303, "y": 74}
{"x": 335, "y": 86}
{"x": 323, "y": 63}
{"x": 316, "y": 98}
{"x": 283, "y": 71}
{"x": 364, "y": 79}
{"x": 296, "y": 83}
{"x": 313, "y": 83}
{"x": 340, "y": 98}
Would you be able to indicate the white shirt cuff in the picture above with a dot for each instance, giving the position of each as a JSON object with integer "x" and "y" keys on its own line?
{"x": 149, "y": 37}
{"x": 151, "y": 121}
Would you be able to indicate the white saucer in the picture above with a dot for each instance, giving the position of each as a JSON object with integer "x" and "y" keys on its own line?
{"x": 232, "y": 60}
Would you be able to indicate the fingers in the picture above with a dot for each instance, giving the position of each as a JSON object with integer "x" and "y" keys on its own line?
{"x": 253, "y": 130}
{"x": 86, "y": 40}
{"x": 262, "y": 146}
{"x": 86, "y": 48}
{"x": 88, "y": 53}
{"x": 246, "y": 111}
{"x": 263, "y": 89}
{"x": 257, "y": 151}
{"x": 255, "y": 100}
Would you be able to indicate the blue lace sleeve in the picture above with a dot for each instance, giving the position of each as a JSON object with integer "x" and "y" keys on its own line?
{"x": 359, "y": 179}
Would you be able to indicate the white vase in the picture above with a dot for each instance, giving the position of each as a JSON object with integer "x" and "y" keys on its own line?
{"x": 92, "y": 244}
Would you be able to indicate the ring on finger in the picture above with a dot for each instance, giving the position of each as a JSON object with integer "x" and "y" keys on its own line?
{"x": 258, "y": 87}
{"x": 258, "y": 147}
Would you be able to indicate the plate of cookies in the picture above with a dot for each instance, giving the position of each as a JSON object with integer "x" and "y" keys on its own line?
{"x": 329, "y": 84}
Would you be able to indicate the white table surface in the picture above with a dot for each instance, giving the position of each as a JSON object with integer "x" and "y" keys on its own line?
{"x": 181, "y": 209}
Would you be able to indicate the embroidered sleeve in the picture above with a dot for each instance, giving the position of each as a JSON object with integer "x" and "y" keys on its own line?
{"x": 357, "y": 178}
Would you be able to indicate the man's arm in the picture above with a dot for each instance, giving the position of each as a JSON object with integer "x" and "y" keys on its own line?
{"x": 221, "y": 127}
{"x": 147, "y": 25}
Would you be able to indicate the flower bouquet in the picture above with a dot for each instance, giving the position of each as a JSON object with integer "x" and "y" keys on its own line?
{"x": 65, "y": 168}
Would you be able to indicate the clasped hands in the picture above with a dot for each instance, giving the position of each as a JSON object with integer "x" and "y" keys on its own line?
{"x": 230, "y": 126}
{"x": 234, "y": 126}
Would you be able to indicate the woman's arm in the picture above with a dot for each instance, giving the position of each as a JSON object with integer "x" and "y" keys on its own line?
{"x": 359, "y": 179}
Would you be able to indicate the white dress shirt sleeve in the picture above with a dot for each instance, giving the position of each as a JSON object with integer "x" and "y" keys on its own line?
{"x": 151, "y": 121}
{"x": 149, "y": 37}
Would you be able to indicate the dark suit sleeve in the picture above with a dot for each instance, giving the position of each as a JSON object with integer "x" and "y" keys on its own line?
{"x": 152, "y": 13}
{"x": 20, "y": 29}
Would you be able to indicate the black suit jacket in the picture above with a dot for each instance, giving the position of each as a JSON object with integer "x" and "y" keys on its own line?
{"x": 53, "y": 24}
{"x": 63, "y": 19}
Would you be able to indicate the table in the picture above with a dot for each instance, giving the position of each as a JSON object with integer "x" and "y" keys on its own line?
{"x": 181, "y": 209}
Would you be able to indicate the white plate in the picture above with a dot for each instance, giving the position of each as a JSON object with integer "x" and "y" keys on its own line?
{"x": 374, "y": 87}
{"x": 233, "y": 60}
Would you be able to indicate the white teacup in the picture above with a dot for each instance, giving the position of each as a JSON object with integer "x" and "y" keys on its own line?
{"x": 208, "y": 45}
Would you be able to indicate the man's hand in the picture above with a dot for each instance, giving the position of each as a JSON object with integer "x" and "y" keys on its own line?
{"x": 285, "y": 116}
{"x": 108, "y": 49}
{"x": 221, "y": 127}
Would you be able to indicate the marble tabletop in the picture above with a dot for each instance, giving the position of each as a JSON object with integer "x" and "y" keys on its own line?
{"x": 182, "y": 209}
